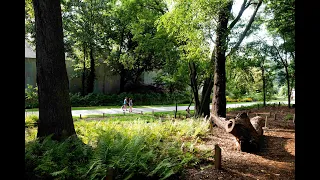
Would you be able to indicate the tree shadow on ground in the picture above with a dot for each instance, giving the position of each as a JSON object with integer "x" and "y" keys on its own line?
{"x": 255, "y": 170}
{"x": 273, "y": 148}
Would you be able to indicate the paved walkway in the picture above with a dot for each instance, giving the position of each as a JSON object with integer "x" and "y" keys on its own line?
{"x": 144, "y": 109}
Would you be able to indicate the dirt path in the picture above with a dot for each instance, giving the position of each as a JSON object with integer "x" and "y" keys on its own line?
{"x": 275, "y": 161}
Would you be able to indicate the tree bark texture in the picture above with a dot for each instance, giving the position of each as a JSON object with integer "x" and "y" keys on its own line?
{"x": 92, "y": 73}
{"x": 83, "y": 78}
{"x": 122, "y": 79}
{"x": 205, "y": 97}
{"x": 248, "y": 132}
{"x": 194, "y": 87}
{"x": 219, "y": 88}
{"x": 53, "y": 86}
{"x": 264, "y": 85}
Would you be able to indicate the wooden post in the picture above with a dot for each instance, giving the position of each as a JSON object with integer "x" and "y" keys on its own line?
{"x": 275, "y": 116}
{"x": 294, "y": 118}
{"x": 265, "y": 124}
{"x": 152, "y": 112}
{"x": 217, "y": 156}
{"x": 80, "y": 116}
{"x": 103, "y": 115}
{"x": 279, "y": 104}
{"x": 109, "y": 175}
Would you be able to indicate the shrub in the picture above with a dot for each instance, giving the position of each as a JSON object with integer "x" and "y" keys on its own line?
{"x": 135, "y": 148}
{"x": 31, "y": 120}
{"x": 31, "y": 96}
{"x": 229, "y": 99}
{"x": 247, "y": 99}
{"x": 50, "y": 159}
{"x": 288, "y": 117}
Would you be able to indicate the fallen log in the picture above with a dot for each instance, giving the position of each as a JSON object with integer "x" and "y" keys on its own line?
{"x": 248, "y": 132}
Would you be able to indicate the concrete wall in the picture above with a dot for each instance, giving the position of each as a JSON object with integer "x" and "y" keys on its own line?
{"x": 105, "y": 82}
{"x": 30, "y": 71}
{"x": 148, "y": 77}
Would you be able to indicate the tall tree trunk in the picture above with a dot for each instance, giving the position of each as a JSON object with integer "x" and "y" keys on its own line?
{"x": 263, "y": 86}
{"x": 53, "y": 85}
{"x": 83, "y": 81}
{"x": 92, "y": 74}
{"x": 205, "y": 97}
{"x": 122, "y": 79}
{"x": 219, "y": 87}
{"x": 288, "y": 84}
{"x": 194, "y": 87}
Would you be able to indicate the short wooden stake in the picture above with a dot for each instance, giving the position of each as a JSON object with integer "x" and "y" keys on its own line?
{"x": 110, "y": 175}
{"x": 102, "y": 114}
{"x": 265, "y": 124}
{"x": 80, "y": 116}
{"x": 275, "y": 116}
{"x": 294, "y": 118}
{"x": 217, "y": 157}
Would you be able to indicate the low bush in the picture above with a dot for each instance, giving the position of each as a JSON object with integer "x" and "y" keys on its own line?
{"x": 31, "y": 120}
{"x": 246, "y": 99}
{"x": 134, "y": 148}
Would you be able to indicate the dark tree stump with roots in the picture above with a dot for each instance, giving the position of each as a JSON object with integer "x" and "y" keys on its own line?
{"x": 248, "y": 132}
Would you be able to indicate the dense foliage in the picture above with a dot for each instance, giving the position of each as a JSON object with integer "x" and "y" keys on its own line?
{"x": 131, "y": 146}
{"x": 99, "y": 99}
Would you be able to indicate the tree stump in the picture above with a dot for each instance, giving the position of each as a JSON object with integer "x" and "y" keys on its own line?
{"x": 248, "y": 132}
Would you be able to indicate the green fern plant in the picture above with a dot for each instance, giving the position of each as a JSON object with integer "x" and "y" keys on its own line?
{"x": 134, "y": 147}
{"x": 50, "y": 159}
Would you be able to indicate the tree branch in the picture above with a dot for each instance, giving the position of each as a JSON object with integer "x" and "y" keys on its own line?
{"x": 243, "y": 7}
{"x": 244, "y": 33}
{"x": 282, "y": 60}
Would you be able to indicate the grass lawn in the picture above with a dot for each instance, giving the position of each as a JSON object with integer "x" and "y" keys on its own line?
{"x": 142, "y": 106}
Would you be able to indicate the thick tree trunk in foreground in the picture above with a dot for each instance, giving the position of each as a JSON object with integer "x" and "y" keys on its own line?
{"x": 52, "y": 80}
{"x": 219, "y": 88}
{"x": 248, "y": 132}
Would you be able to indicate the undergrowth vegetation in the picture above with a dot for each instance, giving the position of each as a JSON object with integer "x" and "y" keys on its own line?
{"x": 130, "y": 146}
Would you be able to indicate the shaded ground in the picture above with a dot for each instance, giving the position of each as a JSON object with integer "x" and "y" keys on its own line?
{"x": 275, "y": 161}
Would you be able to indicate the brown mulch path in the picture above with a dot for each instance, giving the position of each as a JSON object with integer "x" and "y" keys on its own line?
{"x": 276, "y": 160}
